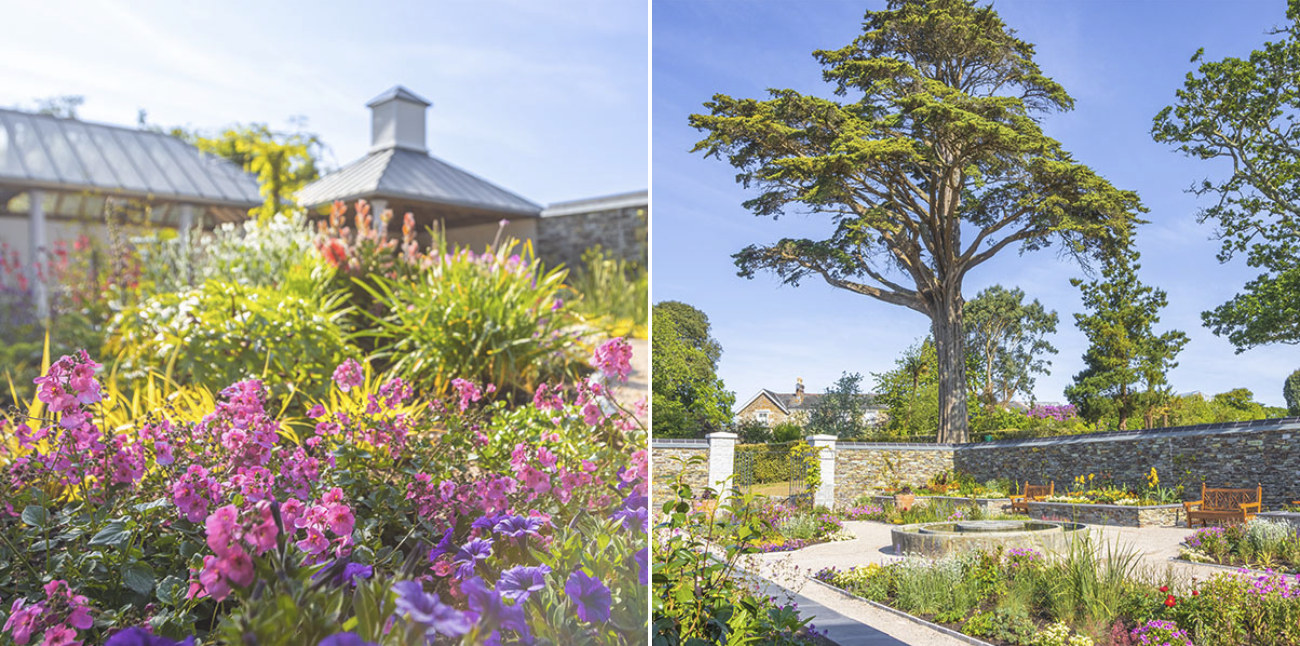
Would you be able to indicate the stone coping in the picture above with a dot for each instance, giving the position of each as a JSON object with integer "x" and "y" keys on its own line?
{"x": 905, "y": 615}
{"x": 1176, "y": 505}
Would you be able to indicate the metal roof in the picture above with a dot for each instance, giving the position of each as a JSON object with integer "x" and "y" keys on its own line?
{"x": 632, "y": 199}
{"x": 398, "y": 92}
{"x": 42, "y": 151}
{"x": 409, "y": 175}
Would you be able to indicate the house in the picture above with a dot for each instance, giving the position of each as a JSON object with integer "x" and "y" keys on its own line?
{"x": 59, "y": 176}
{"x": 772, "y": 408}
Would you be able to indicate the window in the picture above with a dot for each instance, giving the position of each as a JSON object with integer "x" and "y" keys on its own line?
{"x": 762, "y": 417}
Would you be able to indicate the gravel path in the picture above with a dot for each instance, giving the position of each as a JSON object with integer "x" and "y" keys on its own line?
{"x": 845, "y": 618}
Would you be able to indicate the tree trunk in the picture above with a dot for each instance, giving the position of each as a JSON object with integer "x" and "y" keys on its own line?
{"x": 950, "y": 346}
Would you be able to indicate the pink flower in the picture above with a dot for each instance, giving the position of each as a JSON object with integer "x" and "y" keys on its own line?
{"x": 340, "y": 519}
{"x": 222, "y": 527}
{"x": 349, "y": 375}
{"x": 22, "y": 620}
{"x": 468, "y": 391}
{"x": 60, "y": 636}
{"x": 614, "y": 359}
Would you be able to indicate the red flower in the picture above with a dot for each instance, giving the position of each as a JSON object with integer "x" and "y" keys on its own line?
{"x": 1195, "y": 593}
{"x": 1171, "y": 601}
{"x": 1164, "y": 588}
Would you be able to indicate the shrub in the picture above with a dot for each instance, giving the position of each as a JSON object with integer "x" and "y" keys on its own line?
{"x": 611, "y": 293}
{"x": 289, "y": 336}
{"x": 494, "y": 318}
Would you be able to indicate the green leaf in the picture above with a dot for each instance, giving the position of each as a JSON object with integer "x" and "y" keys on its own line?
{"x": 36, "y": 516}
{"x": 139, "y": 577}
{"x": 114, "y": 534}
{"x": 171, "y": 590}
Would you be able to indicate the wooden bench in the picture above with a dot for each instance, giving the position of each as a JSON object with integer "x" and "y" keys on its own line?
{"x": 1224, "y": 505}
{"x": 1033, "y": 493}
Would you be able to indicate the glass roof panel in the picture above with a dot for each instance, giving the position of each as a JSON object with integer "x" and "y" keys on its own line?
{"x": 128, "y": 176}
{"x": 10, "y": 163}
{"x": 176, "y": 177}
{"x": 66, "y": 163}
{"x": 220, "y": 176}
{"x": 92, "y": 160}
{"x": 155, "y": 181}
{"x": 26, "y": 141}
{"x": 189, "y": 164}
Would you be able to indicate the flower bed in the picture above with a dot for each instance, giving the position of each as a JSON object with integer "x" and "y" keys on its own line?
{"x": 396, "y": 520}
{"x": 1097, "y": 514}
{"x": 1264, "y": 543}
{"x": 1092, "y": 595}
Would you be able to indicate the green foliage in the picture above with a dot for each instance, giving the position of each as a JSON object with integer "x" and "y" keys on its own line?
{"x": 689, "y": 400}
{"x": 840, "y": 411}
{"x": 807, "y": 459}
{"x": 787, "y": 432}
{"x": 613, "y": 293}
{"x": 771, "y": 462}
{"x": 282, "y": 162}
{"x": 291, "y": 337}
{"x": 1008, "y": 339}
{"x": 1291, "y": 392}
{"x": 699, "y": 596}
{"x": 941, "y": 136}
{"x": 1126, "y": 361}
{"x": 495, "y": 318}
{"x": 1238, "y": 114}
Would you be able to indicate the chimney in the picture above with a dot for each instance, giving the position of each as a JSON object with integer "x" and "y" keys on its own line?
{"x": 397, "y": 120}
{"x": 798, "y": 391}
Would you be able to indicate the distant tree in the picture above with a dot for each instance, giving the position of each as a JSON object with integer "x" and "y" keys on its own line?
{"x": 752, "y": 431}
{"x": 1008, "y": 338}
{"x": 787, "y": 432}
{"x": 63, "y": 107}
{"x": 839, "y": 411}
{"x": 1291, "y": 392}
{"x": 1241, "y": 401}
{"x": 282, "y": 162}
{"x": 939, "y": 138}
{"x": 1126, "y": 363}
{"x": 688, "y": 399}
{"x": 1242, "y": 112}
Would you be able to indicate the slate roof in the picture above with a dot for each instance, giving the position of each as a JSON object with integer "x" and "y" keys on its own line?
{"x": 394, "y": 173}
{"x": 788, "y": 402}
{"x": 43, "y": 151}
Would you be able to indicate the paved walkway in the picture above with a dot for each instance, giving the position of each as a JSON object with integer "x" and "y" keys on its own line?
{"x": 850, "y": 622}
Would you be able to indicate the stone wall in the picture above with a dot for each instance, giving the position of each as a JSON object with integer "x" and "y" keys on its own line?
{"x": 617, "y": 224}
{"x": 1237, "y": 455}
{"x": 666, "y": 468}
{"x": 862, "y": 467}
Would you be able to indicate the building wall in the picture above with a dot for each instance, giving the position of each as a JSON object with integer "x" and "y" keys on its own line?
{"x": 664, "y": 455}
{"x": 863, "y": 468}
{"x": 621, "y": 232}
{"x": 477, "y": 237}
{"x": 774, "y": 413}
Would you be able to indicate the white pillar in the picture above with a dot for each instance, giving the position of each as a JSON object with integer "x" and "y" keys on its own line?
{"x": 825, "y": 447}
{"x": 186, "y": 219}
{"x": 722, "y": 462}
{"x": 37, "y": 251}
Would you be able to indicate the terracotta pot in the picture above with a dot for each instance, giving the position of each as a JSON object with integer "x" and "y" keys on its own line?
{"x": 904, "y": 501}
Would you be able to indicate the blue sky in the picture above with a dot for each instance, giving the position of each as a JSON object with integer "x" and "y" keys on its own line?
{"x": 547, "y": 99}
{"x": 1120, "y": 60}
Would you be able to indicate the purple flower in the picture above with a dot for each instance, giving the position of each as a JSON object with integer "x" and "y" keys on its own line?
{"x": 517, "y": 526}
{"x": 590, "y": 595}
{"x": 444, "y": 546}
{"x": 469, "y": 556}
{"x": 492, "y": 613}
{"x": 426, "y": 609}
{"x": 520, "y": 581}
{"x": 642, "y": 558}
{"x": 136, "y": 636}
{"x": 487, "y": 522}
{"x": 350, "y": 573}
{"x": 633, "y": 514}
{"x": 345, "y": 639}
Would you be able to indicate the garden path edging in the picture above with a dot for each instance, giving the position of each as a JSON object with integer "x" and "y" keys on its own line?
{"x": 913, "y": 618}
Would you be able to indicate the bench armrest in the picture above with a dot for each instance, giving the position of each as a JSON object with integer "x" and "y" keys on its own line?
{"x": 1195, "y": 503}
{"x": 1247, "y": 505}
{"x": 1017, "y": 498}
